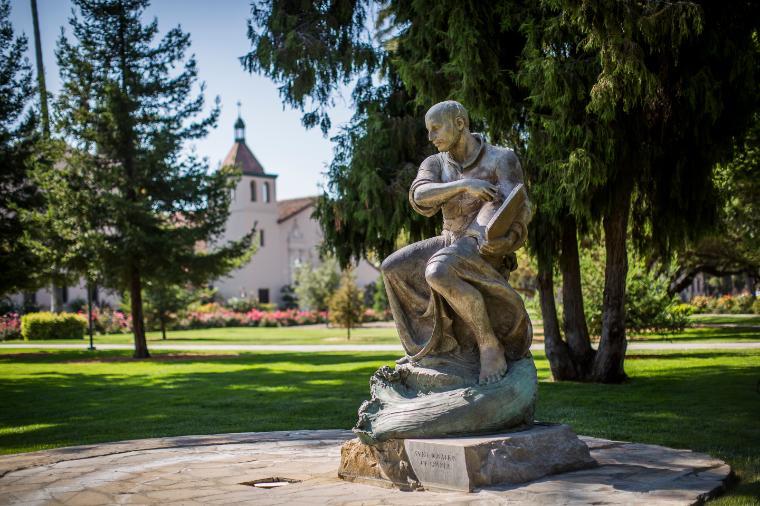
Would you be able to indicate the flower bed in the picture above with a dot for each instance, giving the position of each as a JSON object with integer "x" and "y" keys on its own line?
{"x": 221, "y": 317}
{"x": 10, "y": 326}
{"x": 109, "y": 321}
{"x": 726, "y": 304}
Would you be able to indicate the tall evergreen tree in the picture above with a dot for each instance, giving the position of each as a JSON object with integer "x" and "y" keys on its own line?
{"x": 733, "y": 248}
{"x": 677, "y": 86}
{"x": 54, "y": 272}
{"x": 608, "y": 121}
{"x": 310, "y": 48}
{"x": 18, "y": 263}
{"x": 128, "y": 107}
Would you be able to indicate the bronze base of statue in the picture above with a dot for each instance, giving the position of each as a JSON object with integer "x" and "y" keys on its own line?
{"x": 440, "y": 396}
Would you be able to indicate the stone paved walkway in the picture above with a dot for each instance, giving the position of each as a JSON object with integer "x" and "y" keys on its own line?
{"x": 193, "y": 470}
{"x": 316, "y": 348}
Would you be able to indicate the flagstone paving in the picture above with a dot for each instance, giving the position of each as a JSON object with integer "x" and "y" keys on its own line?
{"x": 213, "y": 469}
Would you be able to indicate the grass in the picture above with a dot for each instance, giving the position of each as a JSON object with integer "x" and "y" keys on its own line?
{"x": 320, "y": 334}
{"x": 732, "y": 319}
{"x": 705, "y": 335}
{"x": 707, "y": 401}
{"x": 253, "y": 335}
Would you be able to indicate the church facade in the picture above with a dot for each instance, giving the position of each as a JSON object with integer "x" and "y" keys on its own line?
{"x": 287, "y": 234}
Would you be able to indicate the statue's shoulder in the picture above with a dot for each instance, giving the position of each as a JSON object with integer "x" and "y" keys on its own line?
{"x": 432, "y": 162}
{"x": 504, "y": 159}
{"x": 502, "y": 154}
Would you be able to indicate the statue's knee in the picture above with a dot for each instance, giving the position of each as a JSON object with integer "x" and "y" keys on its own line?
{"x": 388, "y": 265}
{"x": 436, "y": 274}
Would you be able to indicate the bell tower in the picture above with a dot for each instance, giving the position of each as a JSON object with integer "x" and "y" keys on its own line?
{"x": 239, "y": 127}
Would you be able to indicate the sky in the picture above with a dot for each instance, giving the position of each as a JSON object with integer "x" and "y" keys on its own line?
{"x": 218, "y": 36}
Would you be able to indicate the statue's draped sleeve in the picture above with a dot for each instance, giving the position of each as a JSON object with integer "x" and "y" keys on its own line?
{"x": 429, "y": 172}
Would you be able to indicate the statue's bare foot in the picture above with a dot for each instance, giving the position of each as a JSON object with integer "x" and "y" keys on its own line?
{"x": 493, "y": 365}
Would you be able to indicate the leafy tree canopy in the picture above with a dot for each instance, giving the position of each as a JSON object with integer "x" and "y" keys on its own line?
{"x": 128, "y": 107}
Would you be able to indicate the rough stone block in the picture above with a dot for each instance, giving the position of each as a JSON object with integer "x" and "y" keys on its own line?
{"x": 466, "y": 463}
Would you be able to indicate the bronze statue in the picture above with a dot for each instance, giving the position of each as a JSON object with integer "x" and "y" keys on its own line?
{"x": 465, "y": 330}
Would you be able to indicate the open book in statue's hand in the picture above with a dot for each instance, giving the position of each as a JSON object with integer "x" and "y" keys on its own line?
{"x": 496, "y": 220}
{"x": 501, "y": 220}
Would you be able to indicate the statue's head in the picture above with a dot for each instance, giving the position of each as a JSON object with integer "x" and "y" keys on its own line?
{"x": 446, "y": 123}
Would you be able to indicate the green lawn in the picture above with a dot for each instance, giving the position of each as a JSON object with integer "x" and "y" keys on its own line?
{"x": 705, "y": 335}
{"x": 708, "y": 401}
{"x": 313, "y": 334}
{"x": 733, "y": 319}
{"x": 254, "y": 335}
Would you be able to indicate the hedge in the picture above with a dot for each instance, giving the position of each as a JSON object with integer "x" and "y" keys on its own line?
{"x": 43, "y": 326}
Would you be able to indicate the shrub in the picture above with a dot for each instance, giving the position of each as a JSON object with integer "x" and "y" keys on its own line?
{"x": 725, "y": 304}
{"x": 10, "y": 326}
{"x": 380, "y": 297}
{"x": 315, "y": 285}
{"x": 241, "y": 304}
{"x": 77, "y": 305}
{"x": 209, "y": 307}
{"x": 756, "y": 306}
{"x": 648, "y": 306}
{"x": 43, "y": 326}
{"x": 684, "y": 308}
{"x": 346, "y": 305}
{"x": 370, "y": 315}
{"x": 288, "y": 297}
{"x": 677, "y": 317}
{"x": 743, "y": 303}
{"x": 701, "y": 303}
{"x": 108, "y": 321}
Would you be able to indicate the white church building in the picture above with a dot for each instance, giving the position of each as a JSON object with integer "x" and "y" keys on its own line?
{"x": 287, "y": 237}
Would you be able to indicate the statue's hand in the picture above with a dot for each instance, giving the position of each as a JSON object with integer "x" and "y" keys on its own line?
{"x": 498, "y": 247}
{"x": 480, "y": 189}
{"x": 502, "y": 245}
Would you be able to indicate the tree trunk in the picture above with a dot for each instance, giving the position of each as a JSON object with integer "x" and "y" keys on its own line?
{"x": 609, "y": 362}
{"x": 163, "y": 328}
{"x": 40, "y": 72}
{"x": 138, "y": 322}
{"x": 89, "y": 315}
{"x": 576, "y": 330}
{"x": 557, "y": 351}
{"x": 56, "y": 301}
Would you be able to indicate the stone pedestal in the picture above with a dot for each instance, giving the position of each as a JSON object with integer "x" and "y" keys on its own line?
{"x": 466, "y": 463}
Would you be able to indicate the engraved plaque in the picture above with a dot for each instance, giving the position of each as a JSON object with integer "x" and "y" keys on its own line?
{"x": 438, "y": 465}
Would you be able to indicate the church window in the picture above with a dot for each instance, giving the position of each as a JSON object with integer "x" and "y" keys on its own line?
{"x": 263, "y": 295}
{"x": 267, "y": 193}
{"x": 253, "y": 191}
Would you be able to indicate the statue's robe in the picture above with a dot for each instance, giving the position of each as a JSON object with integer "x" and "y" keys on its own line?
{"x": 426, "y": 323}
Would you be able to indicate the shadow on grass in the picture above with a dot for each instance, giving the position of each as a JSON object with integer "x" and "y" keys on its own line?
{"x": 55, "y": 403}
{"x": 711, "y": 408}
{"x": 706, "y": 401}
